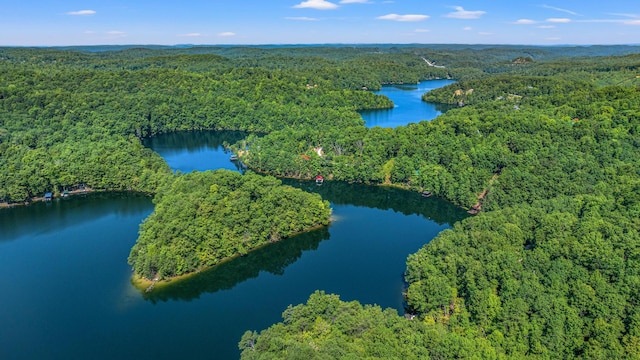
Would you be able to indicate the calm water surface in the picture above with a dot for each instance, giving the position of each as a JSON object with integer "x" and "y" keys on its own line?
{"x": 409, "y": 107}
{"x": 66, "y": 291}
{"x": 187, "y": 151}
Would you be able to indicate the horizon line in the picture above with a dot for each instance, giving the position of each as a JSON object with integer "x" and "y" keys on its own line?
{"x": 312, "y": 44}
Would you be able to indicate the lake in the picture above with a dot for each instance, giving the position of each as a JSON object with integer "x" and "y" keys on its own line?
{"x": 187, "y": 151}
{"x": 409, "y": 107}
{"x": 66, "y": 291}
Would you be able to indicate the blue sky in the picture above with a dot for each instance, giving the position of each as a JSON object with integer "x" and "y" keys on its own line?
{"x": 70, "y": 22}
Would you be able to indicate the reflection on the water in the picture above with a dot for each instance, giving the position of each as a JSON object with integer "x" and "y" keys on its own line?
{"x": 194, "y": 140}
{"x": 47, "y": 217}
{"x": 197, "y": 150}
{"x": 273, "y": 258}
{"x": 408, "y": 105}
{"x": 384, "y": 198}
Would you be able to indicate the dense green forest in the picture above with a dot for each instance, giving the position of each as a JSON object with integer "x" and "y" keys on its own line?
{"x": 549, "y": 269}
{"x": 543, "y": 141}
{"x": 558, "y": 137}
{"x": 328, "y": 328}
{"x": 65, "y": 115}
{"x": 203, "y": 218}
{"x": 556, "y": 278}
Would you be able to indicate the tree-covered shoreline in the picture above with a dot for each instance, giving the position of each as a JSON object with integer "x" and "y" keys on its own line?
{"x": 203, "y": 218}
{"x": 545, "y": 143}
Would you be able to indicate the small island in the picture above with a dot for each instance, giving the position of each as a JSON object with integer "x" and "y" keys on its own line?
{"x": 204, "y": 218}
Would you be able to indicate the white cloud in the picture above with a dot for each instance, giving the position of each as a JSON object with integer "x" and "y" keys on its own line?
{"x": 524, "y": 22}
{"x": 226, "y": 34}
{"x": 546, "y": 27}
{"x": 115, "y": 34}
{"x": 634, "y": 21}
{"x": 461, "y": 13}
{"x": 316, "y": 4}
{"x": 559, "y": 20}
{"x": 467, "y": 28}
{"x": 82, "y": 12}
{"x": 559, "y": 9}
{"x": 626, "y": 15}
{"x": 301, "y": 18}
{"x": 553, "y": 38}
{"x": 192, "y": 35}
{"x": 601, "y": 21}
{"x": 409, "y": 17}
{"x": 422, "y": 30}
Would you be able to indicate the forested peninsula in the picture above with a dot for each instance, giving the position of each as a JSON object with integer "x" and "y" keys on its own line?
{"x": 541, "y": 142}
{"x": 203, "y": 218}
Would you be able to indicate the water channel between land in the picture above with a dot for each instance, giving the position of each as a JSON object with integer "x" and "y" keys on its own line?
{"x": 66, "y": 290}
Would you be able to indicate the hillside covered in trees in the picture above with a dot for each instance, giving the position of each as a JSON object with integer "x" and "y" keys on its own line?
{"x": 542, "y": 141}
{"x": 203, "y": 218}
{"x": 549, "y": 268}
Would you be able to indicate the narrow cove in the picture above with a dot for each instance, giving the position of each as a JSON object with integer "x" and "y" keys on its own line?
{"x": 68, "y": 295}
{"x": 408, "y": 105}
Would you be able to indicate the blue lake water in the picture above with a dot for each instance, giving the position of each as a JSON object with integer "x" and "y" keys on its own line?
{"x": 409, "y": 107}
{"x": 187, "y": 151}
{"x": 66, "y": 291}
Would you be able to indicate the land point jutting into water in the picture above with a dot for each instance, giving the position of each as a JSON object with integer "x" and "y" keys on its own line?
{"x": 538, "y": 143}
{"x": 239, "y": 213}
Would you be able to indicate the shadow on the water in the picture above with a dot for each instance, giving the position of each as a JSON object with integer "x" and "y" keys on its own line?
{"x": 46, "y": 217}
{"x": 384, "y": 198}
{"x": 273, "y": 258}
{"x": 407, "y": 87}
{"x": 443, "y": 108}
{"x": 194, "y": 140}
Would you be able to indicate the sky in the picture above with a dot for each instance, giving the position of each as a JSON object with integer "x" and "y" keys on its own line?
{"x": 256, "y": 22}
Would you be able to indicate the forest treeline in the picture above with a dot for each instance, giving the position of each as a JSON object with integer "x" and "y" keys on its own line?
{"x": 556, "y": 138}
{"x": 64, "y": 125}
{"x": 549, "y": 268}
{"x": 203, "y": 218}
{"x": 544, "y": 144}
{"x": 556, "y": 278}
{"x": 328, "y": 328}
